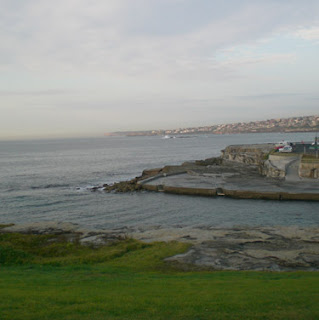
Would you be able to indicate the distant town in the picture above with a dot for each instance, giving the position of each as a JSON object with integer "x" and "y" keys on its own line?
{"x": 294, "y": 124}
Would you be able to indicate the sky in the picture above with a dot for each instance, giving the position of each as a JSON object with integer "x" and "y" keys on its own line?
{"x": 82, "y": 68}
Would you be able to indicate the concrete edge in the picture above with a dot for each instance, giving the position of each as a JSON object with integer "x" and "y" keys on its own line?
{"x": 161, "y": 175}
{"x": 236, "y": 194}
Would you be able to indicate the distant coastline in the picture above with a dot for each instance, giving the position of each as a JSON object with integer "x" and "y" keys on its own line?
{"x": 293, "y": 124}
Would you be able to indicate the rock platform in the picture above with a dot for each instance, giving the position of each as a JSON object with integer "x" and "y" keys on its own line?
{"x": 242, "y": 248}
{"x": 244, "y": 172}
{"x": 231, "y": 179}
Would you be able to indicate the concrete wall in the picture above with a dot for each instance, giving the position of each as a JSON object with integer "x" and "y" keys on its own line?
{"x": 270, "y": 170}
{"x": 237, "y": 194}
{"x": 276, "y": 165}
{"x": 309, "y": 170}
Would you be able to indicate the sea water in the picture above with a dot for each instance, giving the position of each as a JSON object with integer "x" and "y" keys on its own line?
{"x": 50, "y": 180}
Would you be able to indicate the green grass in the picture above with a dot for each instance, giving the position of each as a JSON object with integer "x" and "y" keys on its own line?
{"x": 45, "y": 277}
{"x": 5, "y": 225}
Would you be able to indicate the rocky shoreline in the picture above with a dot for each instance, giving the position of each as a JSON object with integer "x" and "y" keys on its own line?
{"x": 242, "y": 171}
{"x": 240, "y": 248}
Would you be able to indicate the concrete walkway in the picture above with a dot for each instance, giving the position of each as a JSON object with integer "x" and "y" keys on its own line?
{"x": 292, "y": 171}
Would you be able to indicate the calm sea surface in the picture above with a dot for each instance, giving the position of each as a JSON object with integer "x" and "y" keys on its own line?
{"x": 47, "y": 180}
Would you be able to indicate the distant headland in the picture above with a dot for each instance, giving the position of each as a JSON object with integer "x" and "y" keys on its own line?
{"x": 294, "y": 124}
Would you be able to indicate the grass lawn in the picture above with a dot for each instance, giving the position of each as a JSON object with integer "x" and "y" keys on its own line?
{"x": 45, "y": 277}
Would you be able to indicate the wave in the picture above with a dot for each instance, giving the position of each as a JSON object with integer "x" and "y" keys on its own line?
{"x": 9, "y": 190}
{"x": 89, "y": 188}
{"x": 43, "y": 205}
{"x": 51, "y": 186}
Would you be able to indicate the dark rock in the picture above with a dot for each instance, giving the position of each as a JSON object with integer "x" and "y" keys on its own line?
{"x": 124, "y": 186}
{"x": 209, "y": 162}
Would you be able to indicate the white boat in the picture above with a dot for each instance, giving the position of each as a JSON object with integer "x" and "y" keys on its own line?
{"x": 282, "y": 143}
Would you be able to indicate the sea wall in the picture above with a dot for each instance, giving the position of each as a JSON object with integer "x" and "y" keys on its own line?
{"x": 265, "y": 195}
{"x": 181, "y": 190}
{"x": 236, "y": 194}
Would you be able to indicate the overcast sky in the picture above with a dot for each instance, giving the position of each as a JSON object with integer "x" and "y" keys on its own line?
{"x": 78, "y": 67}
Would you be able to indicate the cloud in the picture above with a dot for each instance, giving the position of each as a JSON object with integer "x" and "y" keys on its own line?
{"x": 255, "y": 59}
{"x": 308, "y": 33}
{"x": 267, "y": 96}
{"x": 95, "y": 57}
{"x": 34, "y": 93}
{"x": 141, "y": 38}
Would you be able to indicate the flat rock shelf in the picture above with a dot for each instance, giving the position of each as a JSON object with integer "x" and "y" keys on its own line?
{"x": 242, "y": 248}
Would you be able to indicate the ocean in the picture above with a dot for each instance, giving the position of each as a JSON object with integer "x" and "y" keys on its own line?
{"x": 50, "y": 180}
